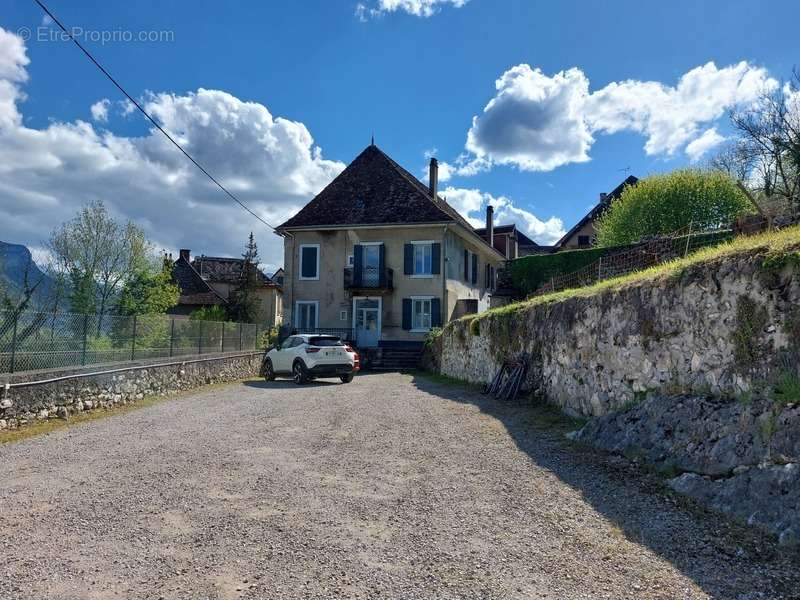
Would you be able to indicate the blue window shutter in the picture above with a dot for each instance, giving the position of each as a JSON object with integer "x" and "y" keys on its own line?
{"x": 382, "y": 265}
{"x": 408, "y": 259}
{"x": 406, "y": 313}
{"x": 466, "y": 265}
{"x": 474, "y": 269}
{"x": 308, "y": 262}
{"x": 436, "y": 312}
{"x": 358, "y": 264}
{"x": 436, "y": 258}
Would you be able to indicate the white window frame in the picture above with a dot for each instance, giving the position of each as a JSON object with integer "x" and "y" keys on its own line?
{"x": 296, "y": 319}
{"x": 351, "y": 260}
{"x": 300, "y": 261}
{"x": 416, "y": 243}
{"x": 422, "y": 299}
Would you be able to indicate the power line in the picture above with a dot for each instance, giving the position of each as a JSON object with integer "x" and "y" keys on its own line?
{"x": 149, "y": 118}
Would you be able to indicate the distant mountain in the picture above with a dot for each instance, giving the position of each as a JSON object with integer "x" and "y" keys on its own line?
{"x": 15, "y": 259}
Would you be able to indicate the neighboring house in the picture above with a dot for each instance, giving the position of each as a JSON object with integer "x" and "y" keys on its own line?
{"x": 195, "y": 291}
{"x": 223, "y": 274}
{"x": 380, "y": 256}
{"x": 278, "y": 276}
{"x": 507, "y": 239}
{"x": 584, "y": 233}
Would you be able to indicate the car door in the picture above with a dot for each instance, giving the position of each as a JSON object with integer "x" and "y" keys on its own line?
{"x": 283, "y": 355}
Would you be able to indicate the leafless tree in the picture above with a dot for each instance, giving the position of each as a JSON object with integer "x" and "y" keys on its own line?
{"x": 767, "y": 153}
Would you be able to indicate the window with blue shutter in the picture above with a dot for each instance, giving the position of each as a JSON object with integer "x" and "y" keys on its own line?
{"x": 408, "y": 259}
{"x": 309, "y": 261}
{"x": 474, "y": 269}
{"x": 358, "y": 264}
{"x": 407, "y": 313}
{"x": 436, "y": 312}
{"x": 436, "y": 258}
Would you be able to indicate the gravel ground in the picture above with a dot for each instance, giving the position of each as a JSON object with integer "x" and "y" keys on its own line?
{"x": 393, "y": 486}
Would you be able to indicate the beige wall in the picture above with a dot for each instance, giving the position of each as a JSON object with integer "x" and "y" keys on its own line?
{"x": 587, "y": 229}
{"x": 271, "y": 309}
{"x": 337, "y": 245}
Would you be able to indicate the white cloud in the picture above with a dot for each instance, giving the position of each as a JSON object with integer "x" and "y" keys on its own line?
{"x": 418, "y": 8}
{"x": 471, "y": 204}
{"x": 537, "y": 122}
{"x": 701, "y": 145}
{"x": 99, "y": 110}
{"x": 270, "y": 162}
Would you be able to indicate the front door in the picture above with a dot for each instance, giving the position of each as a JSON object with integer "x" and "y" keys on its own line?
{"x": 367, "y": 321}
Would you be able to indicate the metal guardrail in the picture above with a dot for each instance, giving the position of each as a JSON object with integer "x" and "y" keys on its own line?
{"x": 50, "y": 340}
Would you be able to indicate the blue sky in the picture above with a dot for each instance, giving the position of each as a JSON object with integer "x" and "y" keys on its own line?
{"x": 415, "y": 81}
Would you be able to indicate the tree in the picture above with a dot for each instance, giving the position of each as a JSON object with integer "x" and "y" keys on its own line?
{"x": 209, "y": 313}
{"x": 99, "y": 255}
{"x": 149, "y": 291}
{"x": 244, "y": 301}
{"x": 768, "y": 155}
{"x": 661, "y": 204}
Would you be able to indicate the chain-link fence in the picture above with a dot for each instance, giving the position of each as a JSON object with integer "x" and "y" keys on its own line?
{"x": 657, "y": 251}
{"x": 42, "y": 340}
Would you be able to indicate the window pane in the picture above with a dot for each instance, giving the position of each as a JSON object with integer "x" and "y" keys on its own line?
{"x": 427, "y": 254}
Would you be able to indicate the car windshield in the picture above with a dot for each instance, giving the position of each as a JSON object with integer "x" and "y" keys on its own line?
{"x": 325, "y": 341}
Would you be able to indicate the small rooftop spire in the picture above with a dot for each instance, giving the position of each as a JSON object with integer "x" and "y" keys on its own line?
{"x": 372, "y": 140}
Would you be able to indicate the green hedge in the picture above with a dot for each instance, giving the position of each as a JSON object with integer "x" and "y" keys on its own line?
{"x": 530, "y": 272}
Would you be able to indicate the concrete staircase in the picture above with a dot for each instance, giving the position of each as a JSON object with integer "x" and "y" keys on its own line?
{"x": 393, "y": 359}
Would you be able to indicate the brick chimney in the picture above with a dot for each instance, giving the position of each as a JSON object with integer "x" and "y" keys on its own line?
{"x": 185, "y": 254}
{"x": 603, "y": 196}
{"x": 434, "y": 177}
{"x": 490, "y": 225}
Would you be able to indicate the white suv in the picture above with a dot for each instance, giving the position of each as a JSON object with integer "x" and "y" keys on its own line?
{"x": 308, "y": 356}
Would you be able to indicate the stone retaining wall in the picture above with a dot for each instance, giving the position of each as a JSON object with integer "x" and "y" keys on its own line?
{"x": 696, "y": 372}
{"x": 717, "y": 328}
{"x": 736, "y": 457}
{"x": 64, "y": 397}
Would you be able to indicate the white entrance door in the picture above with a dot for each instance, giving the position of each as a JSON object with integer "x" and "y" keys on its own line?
{"x": 367, "y": 321}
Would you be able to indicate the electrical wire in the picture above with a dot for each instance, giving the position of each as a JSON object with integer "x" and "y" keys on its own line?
{"x": 149, "y": 118}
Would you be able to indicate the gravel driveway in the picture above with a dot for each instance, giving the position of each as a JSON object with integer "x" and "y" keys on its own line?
{"x": 393, "y": 486}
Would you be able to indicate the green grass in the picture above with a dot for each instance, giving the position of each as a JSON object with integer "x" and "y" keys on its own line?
{"x": 787, "y": 389}
{"x": 37, "y": 428}
{"x": 772, "y": 244}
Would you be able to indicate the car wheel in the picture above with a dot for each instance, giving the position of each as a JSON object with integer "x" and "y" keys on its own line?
{"x": 269, "y": 371}
{"x": 299, "y": 373}
{"x": 346, "y": 378}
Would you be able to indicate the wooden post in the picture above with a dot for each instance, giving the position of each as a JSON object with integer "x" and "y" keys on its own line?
{"x": 688, "y": 237}
{"x": 171, "y": 336}
{"x": 240, "y": 337}
{"x": 133, "y": 339}
{"x": 14, "y": 342}
{"x": 222, "y": 339}
{"x": 85, "y": 333}
{"x": 200, "y": 338}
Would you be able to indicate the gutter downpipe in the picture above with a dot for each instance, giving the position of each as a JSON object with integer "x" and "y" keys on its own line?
{"x": 444, "y": 274}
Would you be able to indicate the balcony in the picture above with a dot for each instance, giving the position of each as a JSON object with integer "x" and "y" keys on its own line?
{"x": 370, "y": 279}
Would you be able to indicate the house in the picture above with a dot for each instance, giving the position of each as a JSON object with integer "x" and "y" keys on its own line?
{"x": 278, "y": 276}
{"x": 379, "y": 256}
{"x": 584, "y": 233}
{"x": 196, "y": 292}
{"x": 223, "y": 274}
{"x": 507, "y": 239}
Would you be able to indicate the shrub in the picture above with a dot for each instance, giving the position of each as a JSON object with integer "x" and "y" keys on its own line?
{"x": 530, "y": 272}
{"x": 661, "y": 204}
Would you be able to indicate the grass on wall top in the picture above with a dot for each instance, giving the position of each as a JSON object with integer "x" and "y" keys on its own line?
{"x": 780, "y": 247}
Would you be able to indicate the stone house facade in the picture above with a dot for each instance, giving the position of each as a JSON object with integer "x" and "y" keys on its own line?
{"x": 379, "y": 257}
